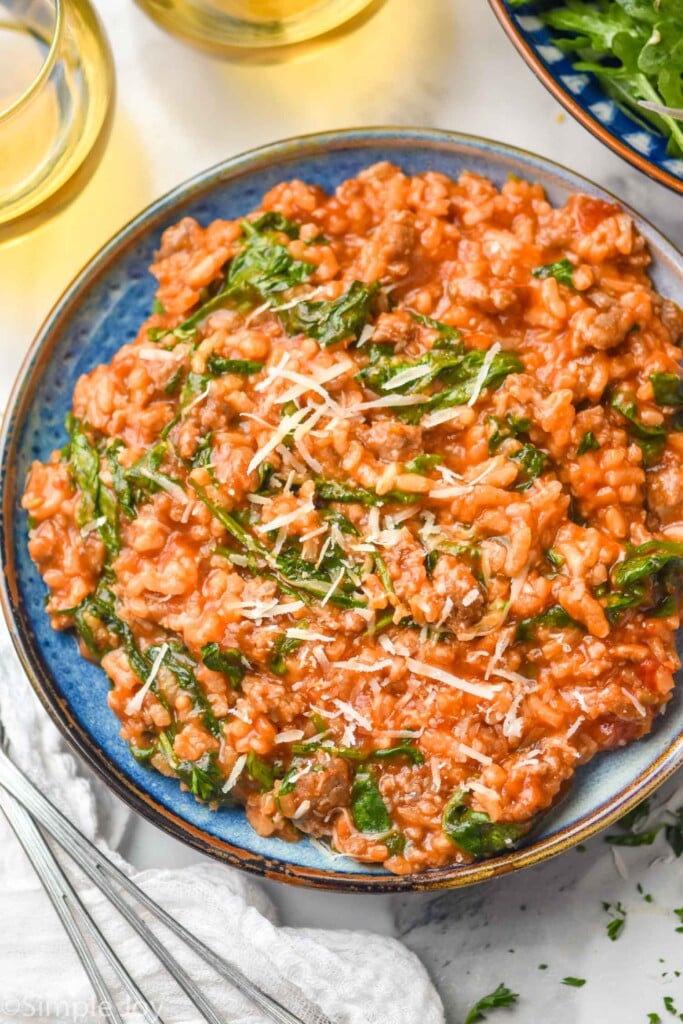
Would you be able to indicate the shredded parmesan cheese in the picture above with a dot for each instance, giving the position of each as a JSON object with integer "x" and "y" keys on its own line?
{"x": 135, "y": 703}
{"x": 421, "y": 668}
{"x": 234, "y": 775}
{"x": 483, "y": 371}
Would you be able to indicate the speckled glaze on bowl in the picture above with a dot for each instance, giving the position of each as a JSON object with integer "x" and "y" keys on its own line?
{"x": 98, "y": 313}
{"x": 583, "y": 96}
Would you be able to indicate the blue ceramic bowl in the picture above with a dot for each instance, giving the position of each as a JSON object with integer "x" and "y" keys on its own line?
{"x": 583, "y": 96}
{"x": 99, "y": 312}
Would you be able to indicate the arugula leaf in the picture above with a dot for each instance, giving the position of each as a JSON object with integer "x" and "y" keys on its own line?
{"x": 554, "y": 618}
{"x": 502, "y": 364}
{"x": 633, "y": 816}
{"x": 445, "y": 331}
{"x": 336, "y": 490}
{"x": 562, "y": 271}
{"x": 98, "y": 506}
{"x": 403, "y": 749}
{"x": 368, "y": 809}
{"x": 283, "y": 647}
{"x": 423, "y": 463}
{"x": 532, "y": 463}
{"x": 217, "y": 365}
{"x": 668, "y": 388}
{"x": 144, "y": 474}
{"x": 474, "y": 832}
{"x": 645, "y": 561}
{"x": 260, "y": 771}
{"x": 272, "y": 220}
{"x": 634, "y": 48}
{"x": 501, "y": 997}
{"x": 260, "y": 270}
{"x": 84, "y": 463}
{"x": 588, "y": 443}
{"x": 332, "y": 322}
{"x": 651, "y": 439}
{"x": 384, "y": 367}
{"x": 121, "y": 486}
{"x": 342, "y": 522}
{"x": 180, "y": 662}
{"x": 645, "y": 838}
{"x": 511, "y": 426}
{"x": 202, "y": 777}
{"x": 227, "y": 660}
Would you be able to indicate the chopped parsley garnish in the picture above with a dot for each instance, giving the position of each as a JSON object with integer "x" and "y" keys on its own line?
{"x": 673, "y": 833}
{"x": 501, "y": 997}
{"x": 562, "y": 271}
{"x": 650, "y": 438}
{"x": 574, "y": 982}
{"x": 617, "y": 920}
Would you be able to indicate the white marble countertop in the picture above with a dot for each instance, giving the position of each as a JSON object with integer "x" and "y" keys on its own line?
{"x": 442, "y": 63}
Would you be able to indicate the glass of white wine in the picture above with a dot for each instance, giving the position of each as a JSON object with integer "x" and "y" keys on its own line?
{"x": 56, "y": 86}
{"x": 232, "y": 26}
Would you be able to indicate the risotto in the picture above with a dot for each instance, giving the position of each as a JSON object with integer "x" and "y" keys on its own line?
{"x": 376, "y": 527}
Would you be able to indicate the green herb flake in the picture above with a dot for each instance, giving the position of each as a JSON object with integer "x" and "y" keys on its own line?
{"x": 562, "y": 271}
{"x": 617, "y": 921}
{"x": 588, "y": 443}
{"x": 501, "y": 997}
{"x": 673, "y": 832}
{"x": 574, "y": 982}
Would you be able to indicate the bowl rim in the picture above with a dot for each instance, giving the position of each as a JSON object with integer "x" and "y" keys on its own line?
{"x": 591, "y": 123}
{"x": 18, "y": 625}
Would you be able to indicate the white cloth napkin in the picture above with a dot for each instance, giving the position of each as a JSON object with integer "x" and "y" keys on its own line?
{"x": 354, "y": 977}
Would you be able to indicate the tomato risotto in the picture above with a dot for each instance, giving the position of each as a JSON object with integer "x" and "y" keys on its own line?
{"x": 376, "y": 527}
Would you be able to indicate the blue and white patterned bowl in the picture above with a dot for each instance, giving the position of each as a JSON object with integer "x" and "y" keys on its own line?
{"x": 98, "y": 313}
{"x": 583, "y": 96}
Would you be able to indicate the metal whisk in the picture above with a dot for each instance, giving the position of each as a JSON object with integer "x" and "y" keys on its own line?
{"x": 26, "y": 808}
